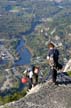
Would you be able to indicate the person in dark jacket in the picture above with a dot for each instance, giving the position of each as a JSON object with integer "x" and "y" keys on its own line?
{"x": 52, "y": 57}
{"x": 35, "y": 70}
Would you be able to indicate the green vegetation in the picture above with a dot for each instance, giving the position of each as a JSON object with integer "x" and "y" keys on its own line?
{"x": 17, "y": 17}
{"x": 13, "y": 97}
{"x": 14, "y": 43}
{"x": 15, "y": 20}
{"x": 69, "y": 73}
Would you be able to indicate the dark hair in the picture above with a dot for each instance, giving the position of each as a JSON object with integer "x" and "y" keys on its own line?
{"x": 51, "y": 45}
{"x": 35, "y": 67}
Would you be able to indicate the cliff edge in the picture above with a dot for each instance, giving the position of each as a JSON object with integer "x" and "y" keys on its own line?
{"x": 47, "y": 95}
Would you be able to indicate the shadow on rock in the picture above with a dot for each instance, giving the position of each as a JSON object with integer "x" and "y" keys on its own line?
{"x": 63, "y": 78}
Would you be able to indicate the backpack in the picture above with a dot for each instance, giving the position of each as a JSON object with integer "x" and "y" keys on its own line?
{"x": 59, "y": 66}
{"x": 24, "y": 80}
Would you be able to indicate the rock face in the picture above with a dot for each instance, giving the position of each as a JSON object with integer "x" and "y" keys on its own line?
{"x": 68, "y": 66}
{"x": 47, "y": 95}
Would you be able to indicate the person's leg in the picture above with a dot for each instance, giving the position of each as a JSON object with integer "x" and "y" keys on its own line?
{"x": 31, "y": 80}
{"x": 37, "y": 79}
{"x": 30, "y": 83}
{"x": 54, "y": 75}
{"x": 34, "y": 80}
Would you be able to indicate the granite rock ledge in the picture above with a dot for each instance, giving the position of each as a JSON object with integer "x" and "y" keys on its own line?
{"x": 47, "y": 96}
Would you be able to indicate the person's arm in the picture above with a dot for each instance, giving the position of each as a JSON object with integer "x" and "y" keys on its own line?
{"x": 48, "y": 59}
{"x": 30, "y": 74}
{"x": 25, "y": 73}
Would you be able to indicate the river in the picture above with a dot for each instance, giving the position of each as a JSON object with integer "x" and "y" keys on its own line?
{"x": 25, "y": 54}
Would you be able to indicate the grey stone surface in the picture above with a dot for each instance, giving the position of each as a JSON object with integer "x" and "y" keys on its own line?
{"x": 48, "y": 96}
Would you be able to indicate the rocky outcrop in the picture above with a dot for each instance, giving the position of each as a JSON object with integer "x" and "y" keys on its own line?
{"x": 47, "y": 95}
{"x": 68, "y": 66}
